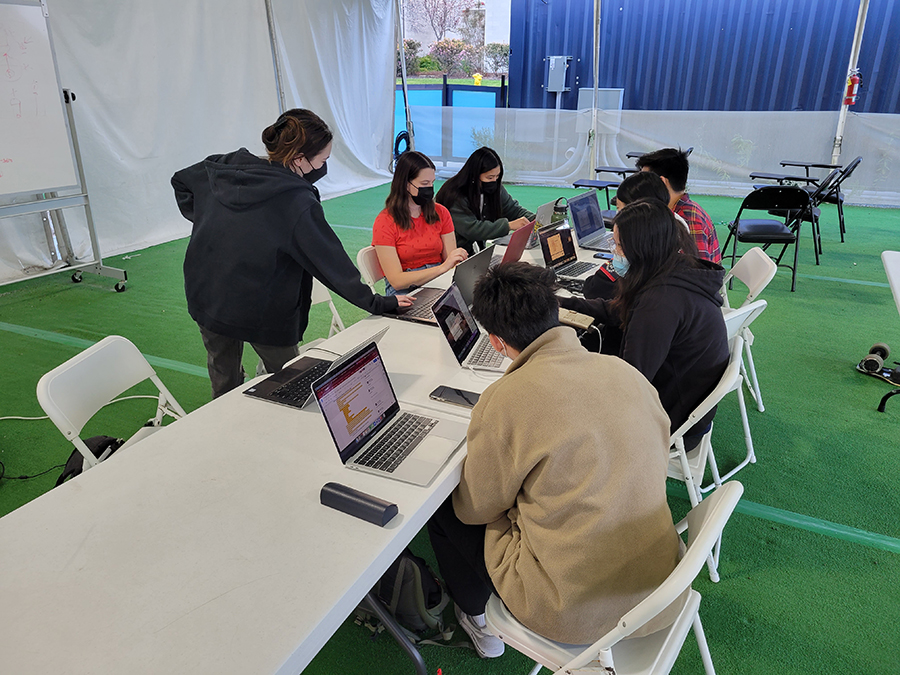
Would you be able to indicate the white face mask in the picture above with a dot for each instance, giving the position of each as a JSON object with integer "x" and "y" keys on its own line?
{"x": 503, "y": 351}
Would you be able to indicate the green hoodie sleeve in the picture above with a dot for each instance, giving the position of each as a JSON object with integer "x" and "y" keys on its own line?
{"x": 471, "y": 229}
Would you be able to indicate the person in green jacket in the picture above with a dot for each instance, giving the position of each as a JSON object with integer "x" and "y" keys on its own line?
{"x": 479, "y": 204}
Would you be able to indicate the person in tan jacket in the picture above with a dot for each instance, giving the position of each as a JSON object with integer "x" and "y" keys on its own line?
{"x": 561, "y": 508}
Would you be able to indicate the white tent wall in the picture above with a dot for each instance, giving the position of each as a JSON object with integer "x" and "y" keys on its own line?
{"x": 162, "y": 85}
{"x": 338, "y": 60}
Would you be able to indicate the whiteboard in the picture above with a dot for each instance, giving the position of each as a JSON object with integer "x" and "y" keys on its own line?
{"x": 35, "y": 149}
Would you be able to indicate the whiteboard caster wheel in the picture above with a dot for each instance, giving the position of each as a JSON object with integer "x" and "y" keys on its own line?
{"x": 120, "y": 287}
{"x": 76, "y": 277}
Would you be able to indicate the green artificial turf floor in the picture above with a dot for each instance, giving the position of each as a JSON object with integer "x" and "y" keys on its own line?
{"x": 810, "y": 561}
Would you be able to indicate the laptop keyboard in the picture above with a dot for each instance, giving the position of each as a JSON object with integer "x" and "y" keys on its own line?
{"x": 422, "y": 310}
{"x": 299, "y": 390}
{"x": 484, "y": 355}
{"x": 575, "y": 268}
{"x": 396, "y": 443}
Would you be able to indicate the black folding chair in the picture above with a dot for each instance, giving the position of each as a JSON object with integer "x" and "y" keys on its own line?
{"x": 812, "y": 214}
{"x": 834, "y": 194}
{"x": 789, "y": 200}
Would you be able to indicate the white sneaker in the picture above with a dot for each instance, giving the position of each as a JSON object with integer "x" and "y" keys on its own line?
{"x": 488, "y": 645}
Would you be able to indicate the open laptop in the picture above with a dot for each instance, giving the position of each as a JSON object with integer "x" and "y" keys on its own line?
{"x": 292, "y": 385}
{"x": 470, "y": 346}
{"x": 516, "y": 246}
{"x": 543, "y": 218}
{"x": 373, "y": 433}
{"x": 465, "y": 274}
{"x": 558, "y": 250}
{"x": 587, "y": 222}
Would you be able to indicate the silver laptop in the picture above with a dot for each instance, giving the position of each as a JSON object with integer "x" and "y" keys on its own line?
{"x": 587, "y": 223}
{"x": 292, "y": 385}
{"x": 373, "y": 433}
{"x": 465, "y": 274}
{"x": 559, "y": 254}
{"x": 542, "y": 218}
{"x": 470, "y": 346}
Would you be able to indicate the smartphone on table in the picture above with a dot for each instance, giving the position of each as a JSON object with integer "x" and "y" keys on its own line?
{"x": 461, "y": 397}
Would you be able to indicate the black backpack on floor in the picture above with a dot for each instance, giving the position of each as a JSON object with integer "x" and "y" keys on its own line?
{"x": 413, "y": 595}
{"x": 97, "y": 445}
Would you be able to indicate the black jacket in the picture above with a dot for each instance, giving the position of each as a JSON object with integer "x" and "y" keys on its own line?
{"x": 675, "y": 335}
{"x": 259, "y": 238}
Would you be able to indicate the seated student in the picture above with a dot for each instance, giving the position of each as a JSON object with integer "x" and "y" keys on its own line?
{"x": 563, "y": 514}
{"x": 480, "y": 205}
{"x": 413, "y": 236}
{"x": 636, "y": 186}
{"x": 672, "y": 166}
{"x": 668, "y": 305}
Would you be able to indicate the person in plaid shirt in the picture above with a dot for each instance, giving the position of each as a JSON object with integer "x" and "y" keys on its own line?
{"x": 671, "y": 164}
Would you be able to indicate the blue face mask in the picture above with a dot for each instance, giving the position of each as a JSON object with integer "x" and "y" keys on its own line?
{"x": 620, "y": 264}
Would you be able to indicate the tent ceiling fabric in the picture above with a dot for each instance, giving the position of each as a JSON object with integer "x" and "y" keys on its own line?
{"x": 161, "y": 85}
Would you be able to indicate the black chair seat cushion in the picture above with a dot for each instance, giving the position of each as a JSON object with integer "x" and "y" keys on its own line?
{"x": 763, "y": 231}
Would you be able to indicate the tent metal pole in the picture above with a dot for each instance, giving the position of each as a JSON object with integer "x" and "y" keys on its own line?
{"x": 402, "y": 32}
{"x": 276, "y": 62}
{"x": 851, "y": 69}
{"x": 592, "y": 141}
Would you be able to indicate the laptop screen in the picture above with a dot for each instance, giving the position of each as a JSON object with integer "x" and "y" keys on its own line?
{"x": 586, "y": 216}
{"x": 357, "y": 400}
{"x": 557, "y": 247}
{"x": 470, "y": 271}
{"x": 456, "y": 322}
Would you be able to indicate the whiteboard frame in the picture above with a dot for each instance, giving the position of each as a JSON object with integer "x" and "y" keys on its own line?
{"x": 79, "y": 184}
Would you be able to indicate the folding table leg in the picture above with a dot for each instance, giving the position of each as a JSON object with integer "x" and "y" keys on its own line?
{"x": 372, "y": 603}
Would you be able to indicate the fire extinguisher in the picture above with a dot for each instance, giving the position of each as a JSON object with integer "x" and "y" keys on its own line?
{"x": 852, "y": 88}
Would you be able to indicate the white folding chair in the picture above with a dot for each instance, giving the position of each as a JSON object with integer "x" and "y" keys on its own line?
{"x": 320, "y": 294}
{"x": 73, "y": 392}
{"x": 755, "y": 270}
{"x": 369, "y": 267}
{"x": 689, "y": 467}
{"x": 653, "y": 654}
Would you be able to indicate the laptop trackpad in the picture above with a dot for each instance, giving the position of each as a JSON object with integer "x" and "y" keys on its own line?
{"x": 433, "y": 450}
{"x": 454, "y": 431}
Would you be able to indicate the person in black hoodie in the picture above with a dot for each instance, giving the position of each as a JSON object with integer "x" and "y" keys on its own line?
{"x": 668, "y": 304}
{"x": 259, "y": 237}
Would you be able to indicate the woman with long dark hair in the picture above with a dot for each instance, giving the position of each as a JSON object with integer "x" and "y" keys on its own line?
{"x": 668, "y": 306}
{"x": 413, "y": 237}
{"x": 480, "y": 205}
{"x": 259, "y": 237}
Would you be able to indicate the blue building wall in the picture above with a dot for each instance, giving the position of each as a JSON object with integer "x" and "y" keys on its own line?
{"x": 708, "y": 54}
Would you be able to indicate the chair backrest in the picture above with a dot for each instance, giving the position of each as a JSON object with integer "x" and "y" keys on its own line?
{"x": 74, "y": 391}
{"x": 845, "y": 174}
{"x": 729, "y": 381}
{"x": 755, "y": 270}
{"x": 825, "y": 187}
{"x": 736, "y": 320}
{"x": 320, "y": 293}
{"x": 775, "y": 197}
{"x": 369, "y": 267}
{"x": 704, "y": 524}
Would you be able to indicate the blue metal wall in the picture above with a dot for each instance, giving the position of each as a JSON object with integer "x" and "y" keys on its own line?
{"x": 708, "y": 54}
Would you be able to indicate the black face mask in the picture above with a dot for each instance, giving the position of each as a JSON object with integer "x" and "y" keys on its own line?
{"x": 490, "y": 188}
{"x": 426, "y": 194}
{"x": 316, "y": 174}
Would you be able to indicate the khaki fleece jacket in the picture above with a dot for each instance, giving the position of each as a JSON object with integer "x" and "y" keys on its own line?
{"x": 566, "y": 466}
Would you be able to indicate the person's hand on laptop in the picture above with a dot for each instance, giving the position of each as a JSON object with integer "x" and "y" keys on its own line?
{"x": 405, "y": 300}
{"x": 519, "y": 223}
{"x": 456, "y": 256}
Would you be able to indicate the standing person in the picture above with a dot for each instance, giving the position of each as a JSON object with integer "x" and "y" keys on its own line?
{"x": 669, "y": 306}
{"x": 672, "y": 166}
{"x": 480, "y": 205}
{"x": 258, "y": 239}
{"x": 563, "y": 513}
{"x": 413, "y": 237}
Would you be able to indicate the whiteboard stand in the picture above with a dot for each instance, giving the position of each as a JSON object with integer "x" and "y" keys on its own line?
{"x": 50, "y": 205}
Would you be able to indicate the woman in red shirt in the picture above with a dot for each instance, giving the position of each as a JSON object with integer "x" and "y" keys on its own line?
{"x": 413, "y": 237}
